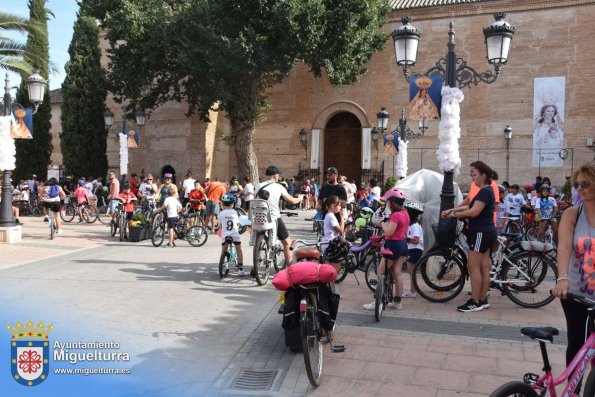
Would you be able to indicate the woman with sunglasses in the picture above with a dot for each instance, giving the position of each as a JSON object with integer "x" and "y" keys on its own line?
{"x": 147, "y": 191}
{"x": 576, "y": 273}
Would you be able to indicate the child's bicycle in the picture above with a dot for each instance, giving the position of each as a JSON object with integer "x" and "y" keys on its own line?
{"x": 228, "y": 259}
{"x": 534, "y": 385}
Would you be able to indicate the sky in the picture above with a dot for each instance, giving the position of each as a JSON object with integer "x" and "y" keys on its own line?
{"x": 59, "y": 29}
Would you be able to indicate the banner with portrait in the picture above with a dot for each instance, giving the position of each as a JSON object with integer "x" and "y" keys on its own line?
{"x": 133, "y": 136}
{"x": 548, "y": 121}
{"x": 426, "y": 97}
{"x": 22, "y": 124}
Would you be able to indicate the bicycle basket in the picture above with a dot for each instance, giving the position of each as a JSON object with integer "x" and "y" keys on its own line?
{"x": 260, "y": 215}
{"x": 446, "y": 233}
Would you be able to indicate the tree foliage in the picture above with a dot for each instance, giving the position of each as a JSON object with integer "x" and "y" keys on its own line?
{"x": 225, "y": 54}
{"x": 84, "y": 138}
{"x": 33, "y": 155}
{"x": 13, "y": 53}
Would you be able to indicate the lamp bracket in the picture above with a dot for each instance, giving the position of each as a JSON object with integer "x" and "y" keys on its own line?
{"x": 465, "y": 74}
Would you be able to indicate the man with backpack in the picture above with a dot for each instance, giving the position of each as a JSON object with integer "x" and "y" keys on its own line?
{"x": 277, "y": 191}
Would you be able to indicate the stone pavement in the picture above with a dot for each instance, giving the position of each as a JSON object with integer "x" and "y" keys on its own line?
{"x": 221, "y": 337}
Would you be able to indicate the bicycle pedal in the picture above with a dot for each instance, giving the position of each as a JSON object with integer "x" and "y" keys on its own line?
{"x": 530, "y": 378}
{"x": 338, "y": 348}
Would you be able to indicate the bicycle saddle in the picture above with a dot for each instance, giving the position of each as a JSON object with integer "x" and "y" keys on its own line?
{"x": 536, "y": 246}
{"x": 306, "y": 253}
{"x": 386, "y": 251}
{"x": 542, "y": 334}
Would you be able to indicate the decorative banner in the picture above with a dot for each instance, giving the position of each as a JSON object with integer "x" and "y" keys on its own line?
{"x": 123, "y": 154}
{"x": 133, "y": 136}
{"x": 23, "y": 125}
{"x": 366, "y": 148}
{"x": 391, "y": 143}
{"x": 401, "y": 166}
{"x": 449, "y": 130}
{"x": 548, "y": 112}
{"x": 8, "y": 149}
{"x": 425, "y": 97}
{"x": 314, "y": 149}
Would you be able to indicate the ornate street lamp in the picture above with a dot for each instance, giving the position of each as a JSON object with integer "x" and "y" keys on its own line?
{"x": 508, "y": 137}
{"x": 108, "y": 119}
{"x": 36, "y": 88}
{"x": 304, "y": 141}
{"x": 406, "y": 133}
{"x": 382, "y": 120}
{"x": 455, "y": 71}
{"x": 374, "y": 134}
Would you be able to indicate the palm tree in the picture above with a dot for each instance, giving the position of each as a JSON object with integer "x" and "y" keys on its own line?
{"x": 14, "y": 55}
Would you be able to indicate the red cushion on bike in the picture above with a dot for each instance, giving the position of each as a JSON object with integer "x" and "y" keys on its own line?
{"x": 376, "y": 237}
{"x": 304, "y": 273}
{"x": 386, "y": 251}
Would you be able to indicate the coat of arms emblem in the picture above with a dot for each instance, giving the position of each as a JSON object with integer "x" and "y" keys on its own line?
{"x": 29, "y": 352}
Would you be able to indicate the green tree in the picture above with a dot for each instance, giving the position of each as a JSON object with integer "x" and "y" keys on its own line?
{"x": 225, "y": 54}
{"x": 33, "y": 155}
{"x": 12, "y": 53}
{"x": 84, "y": 137}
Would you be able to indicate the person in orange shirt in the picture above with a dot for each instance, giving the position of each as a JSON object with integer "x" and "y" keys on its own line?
{"x": 128, "y": 199}
{"x": 214, "y": 193}
{"x": 197, "y": 198}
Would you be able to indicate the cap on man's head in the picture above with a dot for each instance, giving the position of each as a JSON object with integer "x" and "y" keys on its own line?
{"x": 332, "y": 170}
{"x": 272, "y": 170}
{"x": 33, "y": 176}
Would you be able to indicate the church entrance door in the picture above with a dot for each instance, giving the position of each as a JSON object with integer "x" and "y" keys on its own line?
{"x": 343, "y": 145}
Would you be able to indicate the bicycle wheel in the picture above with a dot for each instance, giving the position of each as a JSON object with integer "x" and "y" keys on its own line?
{"x": 346, "y": 263}
{"x": 114, "y": 226}
{"x": 91, "y": 213}
{"x": 311, "y": 340}
{"x": 439, "y": 276}
{"x": 197, "y": 236}
{"x": 104, "y": 214}
{"x": 379, "y": 303}
{"x": 532, "y": 233}
{"x": 158, "y": 235}
{"x": 513, "y": 227}
{"x": 530, "y": 280}
{"x": 590, "y": 384}
{"x": 261, "y": 262}
{"x": 157, "y": 220}
{"x": 516, "y": 388}
{"x": 67, "y": 213}
{"x": 224, "y": 264}
{"x": 122, "y": 225}
{"x": 279, "y": 257}
{"x": 370, "y": 273}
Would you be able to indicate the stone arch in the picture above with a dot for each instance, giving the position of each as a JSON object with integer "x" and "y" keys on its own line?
{"x": 168, "y": 169}
{"x": 326, "y": 113}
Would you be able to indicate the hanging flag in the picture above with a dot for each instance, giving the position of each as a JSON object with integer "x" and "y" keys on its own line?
{"x": 426, "y": 98}
{"x": 22, "y": 124}
{"x": 133, "y": 136}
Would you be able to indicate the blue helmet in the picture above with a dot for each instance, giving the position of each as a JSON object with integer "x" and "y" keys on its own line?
{"x": 228, "y": 198}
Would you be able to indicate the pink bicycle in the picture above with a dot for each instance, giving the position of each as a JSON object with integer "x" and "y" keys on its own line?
{"x": 534, "y": 385}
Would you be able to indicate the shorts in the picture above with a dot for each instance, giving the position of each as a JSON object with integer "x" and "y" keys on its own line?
{"x": 172, "y": 222}
{"x": 481, "y": 241}
{"x": 52, "y": 205}
{"x": 398, "y": 248}
{"x": 414, "y": 254}
{"x": 282, "y": 232}
{"x": 81, "y": 204}
{"x": 129, "y": 215}
{"x": 113, "y": 205}
{"x": 212, "y": 208}
{"x": 234, "y": 236}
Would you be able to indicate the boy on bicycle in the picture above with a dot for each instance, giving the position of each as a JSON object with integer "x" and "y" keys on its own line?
{"x": 127, "y": 198}
{"x": 229, "y": 220}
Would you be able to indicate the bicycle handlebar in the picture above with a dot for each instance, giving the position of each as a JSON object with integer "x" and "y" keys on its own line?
{"x": 590, "y": 303}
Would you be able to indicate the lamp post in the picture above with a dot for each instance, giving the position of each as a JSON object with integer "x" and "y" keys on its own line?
{"x": 406, "y": 133}
{"x": 108, "y": 119}
{"x": 508, "y": 137}
{"x": 374, "y": 134}
{"x": 455, "y": 71}
{"x": 304, "y": 141}
{"x": 36, "y": 87}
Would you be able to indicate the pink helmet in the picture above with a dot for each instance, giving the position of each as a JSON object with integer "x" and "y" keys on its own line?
{"x": 394, "y": 194}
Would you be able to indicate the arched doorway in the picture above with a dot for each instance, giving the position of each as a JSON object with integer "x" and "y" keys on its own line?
{"x": 343, "y": 145}
{"x": 168, "y": 169}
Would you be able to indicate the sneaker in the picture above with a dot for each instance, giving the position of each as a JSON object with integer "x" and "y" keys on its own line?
{"x": 484, "y": 303}
{"x": 125, "y": 237}
{"x": 470, "y": 306}
{"x": 409, "y": 294}
{"x": 46, "y": 219}
{"x": 370, "y": 306}
{"x": 395, "y": 305}
{"x": 59, "y": 231}
{"x": 19, "y": 223}
{"x": 241, "y": 272}
{"x": 80, "y": 221}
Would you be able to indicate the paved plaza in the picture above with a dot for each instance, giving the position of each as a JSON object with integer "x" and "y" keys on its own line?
{"x": 189, "y": 333}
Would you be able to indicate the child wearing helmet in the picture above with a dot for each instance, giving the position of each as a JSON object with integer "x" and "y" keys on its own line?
{"x": 229, "y": 221}
{"x": 395, "y": 231}
{"x": 415, "y": 242}
{"x": 547, "y": 211}
{"x": 173, "y": 207}
{"x": 127, "y": 198}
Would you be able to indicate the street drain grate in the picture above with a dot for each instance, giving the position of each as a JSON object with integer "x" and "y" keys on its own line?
{"x": 250, "y": 379}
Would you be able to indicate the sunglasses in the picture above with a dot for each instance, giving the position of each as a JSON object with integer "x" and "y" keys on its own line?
{"x": 583, "y": 184}
{"x": 150, "y": 179}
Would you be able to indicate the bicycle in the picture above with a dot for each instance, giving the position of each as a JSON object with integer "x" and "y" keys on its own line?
{"x": 535, "y": 385}
{"x": 523, "y": 271}
{"x": 195, "y": 235}
{"x": 267, "y": 251}
{"x": 228, "y": 258}
{"x": 384, "y": 291}
{"x": 119, "y": 222}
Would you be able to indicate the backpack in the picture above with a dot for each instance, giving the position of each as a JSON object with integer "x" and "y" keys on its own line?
{"x": 54, "y": 191}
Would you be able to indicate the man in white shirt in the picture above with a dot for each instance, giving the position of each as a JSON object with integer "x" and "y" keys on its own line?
{"x": 187, "y": 187}
{"x": 276, "y": 192}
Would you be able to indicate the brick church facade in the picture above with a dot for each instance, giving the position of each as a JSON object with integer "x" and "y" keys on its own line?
{"x": 553, "y": 39}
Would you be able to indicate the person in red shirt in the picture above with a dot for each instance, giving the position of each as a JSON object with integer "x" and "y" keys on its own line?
{"x": 133, "y": 184}
{"x": 81, "y": 198}
{"x": 197, "y": 198}
{"x": 128, "y": 199}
